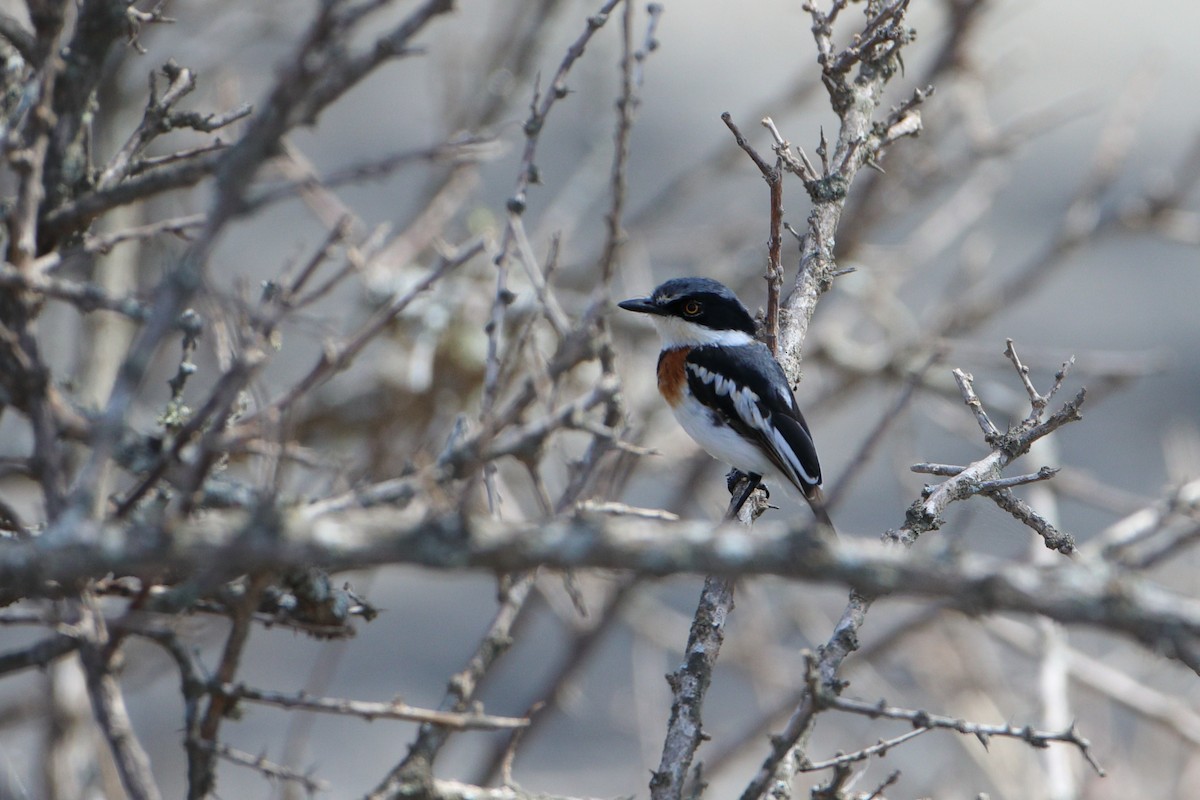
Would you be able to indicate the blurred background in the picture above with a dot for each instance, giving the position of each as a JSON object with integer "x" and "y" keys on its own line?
{"x": 1050, "y": 199}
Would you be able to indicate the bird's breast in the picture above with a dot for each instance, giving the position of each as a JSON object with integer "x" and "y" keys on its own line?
{"x": 672, "y": 374}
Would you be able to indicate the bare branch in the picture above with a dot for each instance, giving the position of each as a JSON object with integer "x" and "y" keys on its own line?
{"x": 270, "y": 770}
{"x": 39, "y": 655}
{"x": 108, "y": 706}
{"x": 86, "y": 297}
{"x": 925, "y": 720}
{"x": 880, "y": 748}
{"x": 1081, "y": 593}
{"x": 159, "y": 118}
{"x": 202, "y": 776}
{"x": 966, "y": 385}
{"x": 689, "y": 684}
{"x": 1053, "y": 537}
{"x": 370, "y": 711}
{"x": 77, "y": 213}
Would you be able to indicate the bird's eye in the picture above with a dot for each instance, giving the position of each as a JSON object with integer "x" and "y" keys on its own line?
{"x": 691, "y": 308}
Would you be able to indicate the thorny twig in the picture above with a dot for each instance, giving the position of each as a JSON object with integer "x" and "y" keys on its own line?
{"x": 923, "y": 720}
{"x": 269, "y": 769}
{"x": 474, "y": 719}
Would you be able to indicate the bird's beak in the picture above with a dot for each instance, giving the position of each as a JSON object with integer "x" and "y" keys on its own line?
{"x": 642, "y": 305}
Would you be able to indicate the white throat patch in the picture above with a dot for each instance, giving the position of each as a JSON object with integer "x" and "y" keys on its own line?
{"x": 676, "y": 332}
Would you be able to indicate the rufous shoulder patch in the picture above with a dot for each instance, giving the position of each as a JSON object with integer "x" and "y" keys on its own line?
{"x": 672, "y": 374}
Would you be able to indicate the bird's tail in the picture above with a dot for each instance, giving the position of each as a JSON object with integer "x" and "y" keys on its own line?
{"x": 816, "y": 499}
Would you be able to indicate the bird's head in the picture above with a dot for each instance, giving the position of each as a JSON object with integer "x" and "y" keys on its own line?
{"x": 694, "y": 312}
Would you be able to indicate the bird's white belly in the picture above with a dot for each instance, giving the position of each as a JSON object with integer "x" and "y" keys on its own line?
{"x": 721, "y": 441}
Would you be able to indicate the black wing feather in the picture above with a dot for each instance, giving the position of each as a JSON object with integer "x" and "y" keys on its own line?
{"x": 795, "y": 431}
{"x": 757, "y": 370}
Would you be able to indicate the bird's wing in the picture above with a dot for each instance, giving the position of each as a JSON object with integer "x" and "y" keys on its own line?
{"x": 749, "y": 389}
{"x": 799, "y": 452}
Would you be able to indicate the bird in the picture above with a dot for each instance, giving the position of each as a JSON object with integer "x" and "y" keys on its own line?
{"x": 726, "y": 389}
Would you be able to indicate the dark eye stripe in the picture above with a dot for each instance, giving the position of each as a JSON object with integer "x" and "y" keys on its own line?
{"x": 710, "y": 310}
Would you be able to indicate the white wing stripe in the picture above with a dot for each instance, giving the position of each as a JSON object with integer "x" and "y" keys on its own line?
{"x": 790, "y": 457}
{"x": 746, "y": 403}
